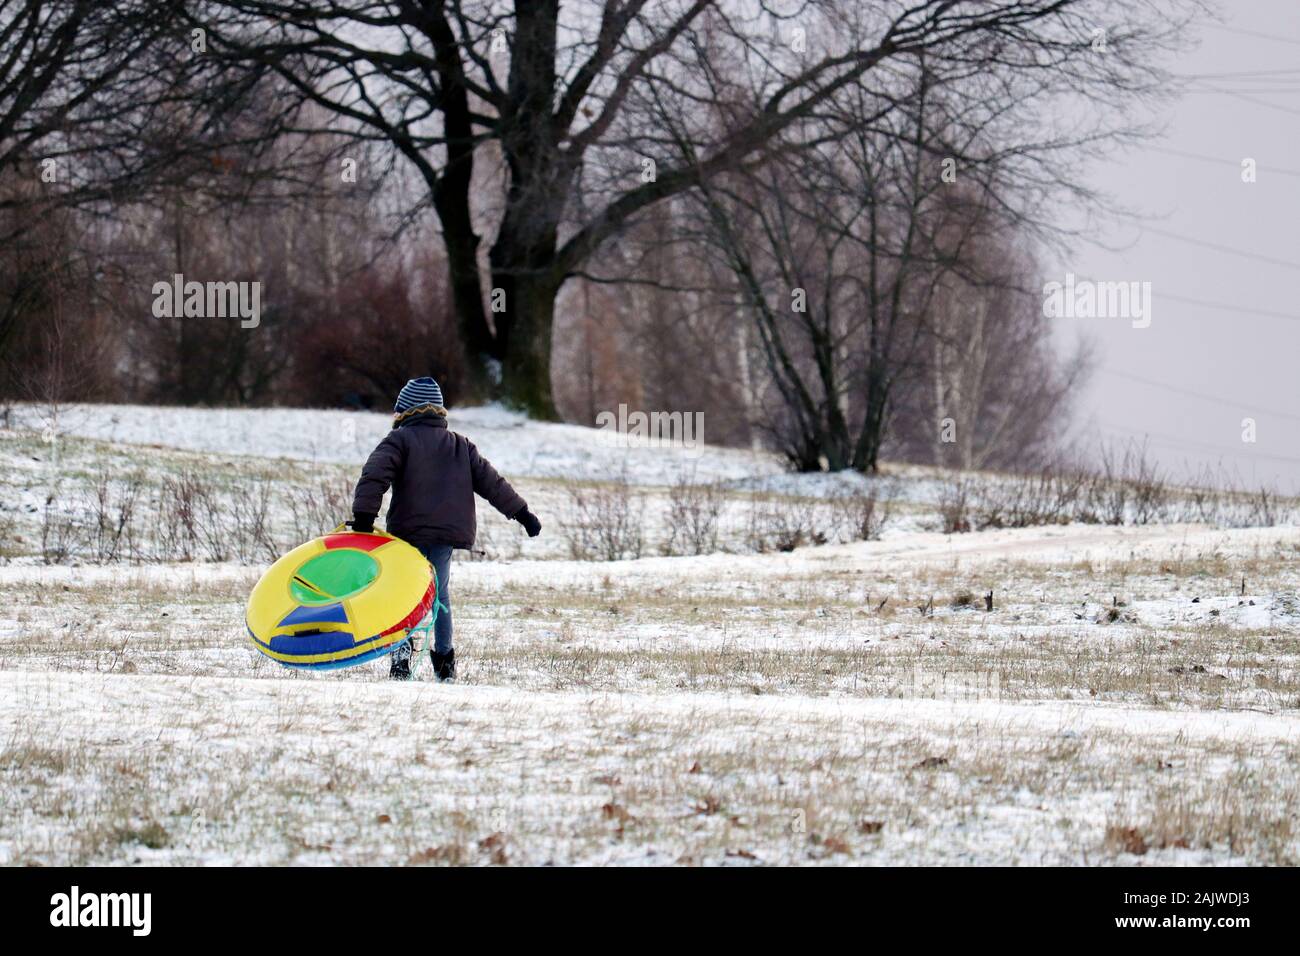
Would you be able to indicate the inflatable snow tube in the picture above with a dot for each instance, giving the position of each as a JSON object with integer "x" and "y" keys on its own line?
{"x": 340, "y": 600}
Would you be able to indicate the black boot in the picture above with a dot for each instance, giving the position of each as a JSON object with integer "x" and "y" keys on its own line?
{"x": 444, "y": 665}
{"x": 399, "y": 664}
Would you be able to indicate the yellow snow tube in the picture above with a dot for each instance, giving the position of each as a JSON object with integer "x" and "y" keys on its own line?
{"x": 339, "y": 600}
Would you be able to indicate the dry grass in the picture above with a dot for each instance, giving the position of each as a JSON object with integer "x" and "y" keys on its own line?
{"x": 451, "y": 775}
{"x": 1134, "y": 632}
{"x": 830, "y": 705}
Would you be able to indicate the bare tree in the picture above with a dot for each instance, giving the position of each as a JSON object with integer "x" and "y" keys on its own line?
{"x": 990, "y": 390}
{"x": 839, "y": 255}
{"x": 658, "y": 329}
{"x": 100, "y": 119}
{"x": 78, "y": 99}
{"x": 69, "y": 107}
{"x": 561, "y": 104}
{"x": 845, "y": 244}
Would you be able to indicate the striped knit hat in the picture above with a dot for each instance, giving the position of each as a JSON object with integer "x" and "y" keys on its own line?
{"x": 416, "y": 392}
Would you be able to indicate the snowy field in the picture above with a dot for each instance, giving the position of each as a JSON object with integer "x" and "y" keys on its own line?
{"x": 1132, "y": 697}
{"x": 515, "y": 445}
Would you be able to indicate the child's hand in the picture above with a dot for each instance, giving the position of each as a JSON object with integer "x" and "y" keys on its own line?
{"x": 530, "y": 522}
{"x": 363, "y": 523}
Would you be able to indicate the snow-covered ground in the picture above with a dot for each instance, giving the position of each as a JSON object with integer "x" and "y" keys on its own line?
{"x": 515, "y": 445}
{"x": 75, "y": 471}
{"x": 1133, "y": 695}
{"x": 174, "y": 769}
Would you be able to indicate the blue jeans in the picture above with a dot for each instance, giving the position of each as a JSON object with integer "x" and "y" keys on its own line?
{"x": 439, "y": 556}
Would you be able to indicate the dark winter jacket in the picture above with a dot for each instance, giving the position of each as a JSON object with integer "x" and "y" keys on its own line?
{"x": 434, "y": 474}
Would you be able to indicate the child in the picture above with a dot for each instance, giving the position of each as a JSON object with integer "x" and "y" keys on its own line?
{"x": 434, "y": 474}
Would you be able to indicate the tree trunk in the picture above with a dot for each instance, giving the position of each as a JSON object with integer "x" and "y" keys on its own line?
{"x": 462, "y": 243}
{"x": 524, "y": 342}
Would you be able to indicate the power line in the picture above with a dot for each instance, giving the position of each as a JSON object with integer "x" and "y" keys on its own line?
{"x": 1253, "y": 33}
{"x": 1270, "y": 260}
{"x": 1257, "y": 102}
{"x": 1171, "y": 442}
{"x": 1224, "y": 162}
{"x": 1218, "y": 400}
{"x": 1221, "y": 306}
{"x": 1266, "y": 74}
{"x": 1250, "y": 89}
{"x": 1225, "y": 307}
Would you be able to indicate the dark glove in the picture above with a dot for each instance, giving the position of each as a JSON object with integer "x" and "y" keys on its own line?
{"x": 529, "y": 521}
{"x": 363, "y": 523}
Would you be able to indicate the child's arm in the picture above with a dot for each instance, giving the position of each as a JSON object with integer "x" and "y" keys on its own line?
{"x": 376, "y": 477}
{"x": 489, "y": 484}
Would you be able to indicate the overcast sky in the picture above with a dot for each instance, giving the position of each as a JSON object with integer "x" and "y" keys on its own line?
{"x": 1187, "y": 382}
